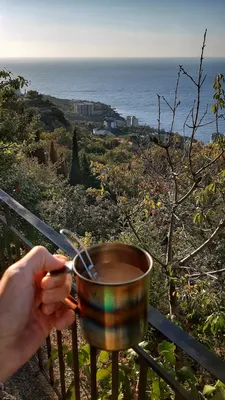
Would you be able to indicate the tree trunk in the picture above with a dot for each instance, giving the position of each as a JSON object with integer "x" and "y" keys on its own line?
{"x": 173, "y": 298}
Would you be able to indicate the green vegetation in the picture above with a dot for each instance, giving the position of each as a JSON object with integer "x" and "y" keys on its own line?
{"x": 166, "y": 195}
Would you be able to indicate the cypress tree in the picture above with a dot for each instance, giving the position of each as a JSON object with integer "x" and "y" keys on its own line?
{"x": 75, "y": 175}
{"x": 53, "y": 153}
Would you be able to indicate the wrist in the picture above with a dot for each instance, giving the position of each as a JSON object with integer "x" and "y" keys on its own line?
{"x": 6, "y": 362}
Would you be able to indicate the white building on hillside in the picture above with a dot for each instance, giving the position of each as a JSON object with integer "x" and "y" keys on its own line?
{"x": 102, "y": 132}
{"x": 110, "y": 123}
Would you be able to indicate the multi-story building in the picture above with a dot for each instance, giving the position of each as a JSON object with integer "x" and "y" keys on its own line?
{"x": 129, "y": 121}
{"x": 84, "y": 108}
{"x": 132, "y": 121}
{"x": 110, "y": 123}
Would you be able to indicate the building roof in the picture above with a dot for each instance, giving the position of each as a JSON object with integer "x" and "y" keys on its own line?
{"x": 102, "y": 132}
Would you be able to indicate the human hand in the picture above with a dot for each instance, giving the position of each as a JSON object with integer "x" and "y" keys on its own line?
{"x": 30, "y": 306}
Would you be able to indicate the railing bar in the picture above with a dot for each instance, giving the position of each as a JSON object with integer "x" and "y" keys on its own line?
{"x": 40, "y": 359}
{"x": 115, "y": 375}
{"x": 61, "y": 365}
{"x": 181, "y": 338}
{"x": 2, "y": 258}
{"x": 6, "y": 235}
{"x": 177, "y": 388}
{"x": 188, "y": 344}
{"x": 7, "y": 245}
{"x": 93, "y": 353}
{"x": 41, "y": 226}
{"x": 142, "y": 379}
{"x": 17, "y": 233}
{"x": 178, "y": 397}
{"x": 17, "y": 246}
{"x": 6, "y": 212}
{"x": 49, "y": 352}
{"x": 75, "y": 361}
{"x": 44, "y": 372}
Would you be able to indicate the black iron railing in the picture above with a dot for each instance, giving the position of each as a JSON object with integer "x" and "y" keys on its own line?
{"x": 191, "y": 347}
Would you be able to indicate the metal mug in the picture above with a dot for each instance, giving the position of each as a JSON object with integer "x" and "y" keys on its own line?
{"x": 114, "y": 316}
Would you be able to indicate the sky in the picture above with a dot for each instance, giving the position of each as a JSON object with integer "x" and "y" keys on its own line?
{"x": 111, "y": 28}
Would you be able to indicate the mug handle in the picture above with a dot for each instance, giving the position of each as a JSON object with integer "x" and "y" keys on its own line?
{"x": 71, "y": 303}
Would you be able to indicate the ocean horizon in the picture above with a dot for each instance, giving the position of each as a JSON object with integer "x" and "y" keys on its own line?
{"x": 130, "y": 85}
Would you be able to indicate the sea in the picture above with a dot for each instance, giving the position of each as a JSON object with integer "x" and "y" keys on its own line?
{"x": 128, "y": 85}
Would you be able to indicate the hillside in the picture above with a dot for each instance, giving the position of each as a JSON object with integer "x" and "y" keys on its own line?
{"x": 101, "y": 110}
{"x": 51, "y": 117}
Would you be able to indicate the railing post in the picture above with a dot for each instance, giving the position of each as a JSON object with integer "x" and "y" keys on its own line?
{"x": 2, "y": 258}
{"x": 142, "y": 379}
{"x": 61, "y": 365}
{"x": 115, "y": 375}
{"x": 49, "y": 352}
{"x": 179, "y": 397}
{"x": 93, "y": 353}
{"x": 40, "y": 359}
{"x": 76, "y": 371}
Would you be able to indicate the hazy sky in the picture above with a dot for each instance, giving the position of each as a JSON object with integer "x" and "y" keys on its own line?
{"x": 111, "y": 28}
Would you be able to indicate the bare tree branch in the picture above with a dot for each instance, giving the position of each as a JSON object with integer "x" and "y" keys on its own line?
{"x": 210, "y": 163}
{"x": 218, "y": 271}
{"x": 169, "y": 252}
{"x": 203, "y": 116}
{"x": 207, "y": 123}
{"x": 203, "y": 80}
{"x": 199, "y": 85}
{"x": 205, "y": 244}
{"x": 175, "y": 104}
{"x": 167, "y": 103}
{"x": 173, "y": 174}
{"x": 189, "y": 76}
{"x": 186, "y": 119}
{"x": 193, "y": 187}
{"x": 140, "y": 241}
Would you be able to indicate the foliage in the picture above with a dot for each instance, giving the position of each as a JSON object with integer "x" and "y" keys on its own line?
{"x": 129, "y": 374}
{"x": 50, "y": 116}
{"x": 161, "y": 191}
{"x": 16, "y": 122}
